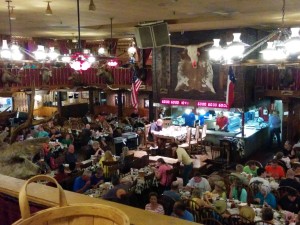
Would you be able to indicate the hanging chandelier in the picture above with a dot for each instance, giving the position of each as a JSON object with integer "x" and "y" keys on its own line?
{"x": 80, "y": 59}
{"x": 12, "y": 51}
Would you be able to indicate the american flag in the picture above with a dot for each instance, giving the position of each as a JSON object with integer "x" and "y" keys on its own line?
{"x": 230, "y": 87}
{"x": 135, "y": 86}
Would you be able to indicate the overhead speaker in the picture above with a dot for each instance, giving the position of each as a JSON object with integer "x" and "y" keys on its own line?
{"x": 152, "y": 36}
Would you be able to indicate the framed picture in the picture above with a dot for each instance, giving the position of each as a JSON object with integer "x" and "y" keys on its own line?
{"x": 146, "y": 103}
{"x": 116, "y": 99}
{"x": 85, "y": 94}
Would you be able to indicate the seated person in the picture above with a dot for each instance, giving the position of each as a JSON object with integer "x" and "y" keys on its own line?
{"x": 196, "y": 197}
{"x": 267, "y": 215}
{"x": 94, "y": 150}
{"x": 179, "y": 210}
{"x": 54, "y": 134}
{"x": 173, "y": 193}
{"x": 48, "y": 157}
{"x": 239, "y": 173}
{"x": 274, "y": 170}
{"x": 118, "y": 184}
{"x": 106, "y": 157}
{"x": 238, "y": 192}
{"x": 248, "y": 213}
{"x": 60, "y": 176}
{"x": 251, "y": 169}
{"x": 41, "y": 132}
{"x": 97, "y": 178}
{"x": 199, "y": 182}
{"x": 261, "y": 177}
{"x": 86, "y": 135}
{"x": 161, "y": 174}
{"x": 290, "y": 180}
{"x": 220, "y": 189}
{"x": 135, "y": 114}
{"x": 70, "y": 155}
{"x": 283, "y": 160}
{"x": 297, "y": 171}
{"x": 67, "y": 140}
{"x": 290, "y": 202}
{"x": 153, "y": 206}
{"x": 265, "y": 197}
{"x": 82, "y": 183}
{"x": 154, "y": 129}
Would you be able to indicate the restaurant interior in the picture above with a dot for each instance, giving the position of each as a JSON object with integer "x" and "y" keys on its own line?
{"x": 157, "y": 111}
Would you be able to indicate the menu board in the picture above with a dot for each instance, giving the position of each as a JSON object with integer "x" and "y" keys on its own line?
{"x": 210, "y": 104}
{"x": 180, "y": 102}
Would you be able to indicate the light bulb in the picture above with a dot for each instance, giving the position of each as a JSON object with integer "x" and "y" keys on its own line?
{"x": 91, "y": 59}
{"x": 40, "y": 53}
{"x": 131, "y": 50}
{"x": 215, "y": 53}
{"x": 52, "y": 54}
{"x": 101, "y": 51}
{"x": 16, "y": 53}
{"x": 5, "y": 52}
{"x": 66, "y": 58}
{"x": 292, "y": 45}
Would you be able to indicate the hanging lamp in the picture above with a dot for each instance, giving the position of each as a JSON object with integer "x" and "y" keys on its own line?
{"x": 48, "y": 11}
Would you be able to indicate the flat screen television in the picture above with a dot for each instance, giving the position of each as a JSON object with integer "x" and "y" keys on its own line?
{"x": 6, "y": 102}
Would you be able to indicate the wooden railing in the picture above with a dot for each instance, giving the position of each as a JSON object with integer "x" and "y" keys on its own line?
{"x": 65, "y": 77}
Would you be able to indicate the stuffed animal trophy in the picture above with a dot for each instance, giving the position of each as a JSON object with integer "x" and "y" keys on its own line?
{"x": 8, "y": 77}
{"x": 46, "y": 74}
{"x": 103, "y": 71}
{"x": 15, "y": 159}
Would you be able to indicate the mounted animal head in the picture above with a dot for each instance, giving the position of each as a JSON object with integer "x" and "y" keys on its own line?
{"x": 192, "y": 51}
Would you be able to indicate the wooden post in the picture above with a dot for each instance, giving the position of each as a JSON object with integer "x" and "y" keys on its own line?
{"x": 120, "y": 104}
{"x": 151, "y": 108}
{"x": 91, "y": 101}
{"x": 59, "y": 103}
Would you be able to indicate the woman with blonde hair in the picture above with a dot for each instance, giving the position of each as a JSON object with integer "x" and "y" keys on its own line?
{"x": 106, "y": 157}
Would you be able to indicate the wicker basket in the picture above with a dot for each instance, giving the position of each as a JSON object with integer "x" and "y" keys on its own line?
{"x": 64, "y": 214}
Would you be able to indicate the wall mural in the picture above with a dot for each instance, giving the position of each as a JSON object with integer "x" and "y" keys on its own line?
{"x": 184, "y": 72}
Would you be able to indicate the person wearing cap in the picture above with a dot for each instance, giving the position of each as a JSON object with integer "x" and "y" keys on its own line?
{"x": 173, "y": 193}
{"x": 185, "y": 159}
{"x": 274, "y": 170}
{"x": 265, "y": 198}
{"x": 199, "y": 182}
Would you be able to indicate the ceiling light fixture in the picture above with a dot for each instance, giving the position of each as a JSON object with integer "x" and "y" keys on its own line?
{"x": 12, "y": 52}
{"x": 52, "y": 54}
{"x": 92, "y": 6}
{"x": 40, "y": 54}
{"x": 215, "y": 52}
{"x": 12, "y": 14}
{"x": 112, "y": 62}
{"x": 101, "y": 50}
{"x": 48, "y": 11}
{"x": 80, "y": 59}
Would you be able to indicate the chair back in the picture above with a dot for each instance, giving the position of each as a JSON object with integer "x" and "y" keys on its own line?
{"x": 211, "y": 221}
{"x": 112, "y": 168}
{"x": 188, "y": 135}
{"x": 203, "y": 131}
{"x": 262, "y": 222}
{"x": 236, "y": 219}
{"x": 147, "y": 129}
{"x": 208, "y": 213}
{"x": 168, "y": 204}
{"x": 167, "y": 123}
{"x": 197, "y": 133}
{"x": 284, "y": 190}
{"x": 193, "y": 207}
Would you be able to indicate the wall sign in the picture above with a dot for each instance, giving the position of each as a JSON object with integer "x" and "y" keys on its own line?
{"x": 220, "y": 105}
{"x": 167, "y": 101}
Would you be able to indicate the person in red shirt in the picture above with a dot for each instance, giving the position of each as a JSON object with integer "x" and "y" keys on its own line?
{"x": 274, "y": 170}
{"x": 222, "y": 121}
{"x": 161, "y": 174}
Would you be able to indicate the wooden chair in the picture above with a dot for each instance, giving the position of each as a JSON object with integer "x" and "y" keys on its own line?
{"x": 284, "y": 190}
{"x": 211, "y": 221}
{"x": 257, "y": 163}
{"x": 219, "y": 157}
{"x": 147, "y": 143}
{"x": 236, "y": 219}
{"x": 168, "y": 203}
{"x": 172, "y": 175}
{"x": 112, "y": 168}
{"x": 262, "y": 222}
{"x": 194, "y": 143}
{"x": 193, "y": 208}
{"x": 208, "y": 213}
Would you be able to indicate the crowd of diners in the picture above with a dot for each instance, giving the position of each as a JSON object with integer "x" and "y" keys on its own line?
{"x": 250, "y": 183}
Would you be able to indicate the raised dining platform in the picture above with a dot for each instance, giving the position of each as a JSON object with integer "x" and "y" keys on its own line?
{"x": 43, "y": 195}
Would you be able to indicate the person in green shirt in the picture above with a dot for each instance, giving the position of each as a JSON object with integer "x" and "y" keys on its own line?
{"x": 67, "y": 140}
{"x": 238, "y": 192}
{"x": 251, "y": 169}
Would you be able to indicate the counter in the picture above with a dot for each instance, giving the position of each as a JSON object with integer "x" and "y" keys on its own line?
{"x": 43, "y": 195}
{"x": 253, "y": 139}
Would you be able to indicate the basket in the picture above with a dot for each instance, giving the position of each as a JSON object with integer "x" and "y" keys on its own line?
{"x": 64, "y": 214}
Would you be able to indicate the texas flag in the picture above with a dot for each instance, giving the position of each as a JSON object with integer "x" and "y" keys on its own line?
{"x": 230, "y": 87}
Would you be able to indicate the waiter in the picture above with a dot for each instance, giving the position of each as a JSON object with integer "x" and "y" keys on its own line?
{"x": 222, "y": 121}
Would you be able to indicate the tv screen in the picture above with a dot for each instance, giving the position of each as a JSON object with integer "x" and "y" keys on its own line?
{"x": 6, "y": 103}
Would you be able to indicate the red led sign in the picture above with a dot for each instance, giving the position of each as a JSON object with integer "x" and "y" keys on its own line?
{"x": 220, "y": 105}
{"x": 167, "y": 101}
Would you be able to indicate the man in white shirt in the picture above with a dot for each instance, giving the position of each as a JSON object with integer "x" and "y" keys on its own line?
{"x": 199, "y": 182}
